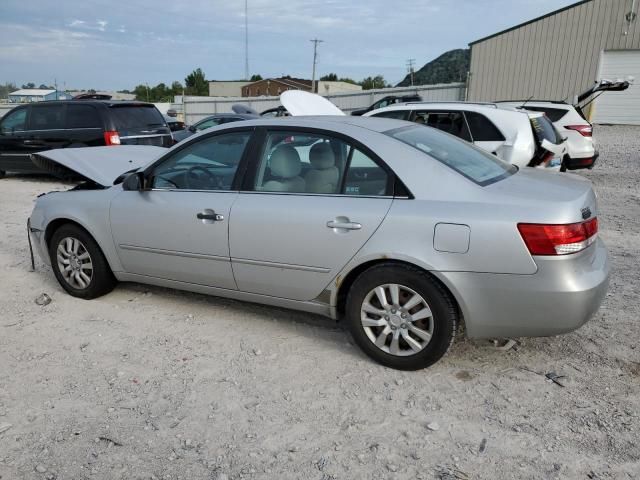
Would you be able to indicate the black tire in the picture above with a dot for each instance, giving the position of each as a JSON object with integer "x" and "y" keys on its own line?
{"x": 101, "y": 281}
{"x": 444, "y": 314}
{"x": 2, "y": 173}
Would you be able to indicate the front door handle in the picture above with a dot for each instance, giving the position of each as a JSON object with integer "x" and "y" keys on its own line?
{"x": 344, "y": 225}
{"x": 34, "y": 142}
{"x": 210, "y": 215}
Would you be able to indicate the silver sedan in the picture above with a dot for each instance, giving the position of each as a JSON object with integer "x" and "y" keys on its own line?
{"x": 401, "y": 231}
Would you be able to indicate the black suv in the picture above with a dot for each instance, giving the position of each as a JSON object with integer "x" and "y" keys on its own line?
{"x": 35, "y": 127}
{"x": 388, "y": 100}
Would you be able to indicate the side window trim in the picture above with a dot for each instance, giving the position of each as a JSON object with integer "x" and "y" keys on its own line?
{"x": 13, "y": 112}
{"x": 257, "y": 151}
{"x": 238, "y": 175}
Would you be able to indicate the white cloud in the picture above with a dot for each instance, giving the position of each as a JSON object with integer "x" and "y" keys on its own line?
{"x": 102, "y": 25}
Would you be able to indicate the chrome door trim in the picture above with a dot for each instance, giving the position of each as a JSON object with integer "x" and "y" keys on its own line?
{"x": 287, "y": 266}
{"x": 175, "y": 253}
{"x": 145, "y": 136}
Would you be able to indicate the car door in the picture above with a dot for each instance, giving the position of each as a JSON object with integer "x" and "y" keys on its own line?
{"x": 46, "y": 128}
{"x": 310, "y": 201}
{"x": 84, "y": 125}
{"x": 177, "y": 227}
{"x": 13, "y": 155}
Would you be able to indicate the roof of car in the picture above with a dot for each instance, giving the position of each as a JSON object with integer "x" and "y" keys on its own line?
{"x": 108, "y": 103}
{"x": 480, "y": 107}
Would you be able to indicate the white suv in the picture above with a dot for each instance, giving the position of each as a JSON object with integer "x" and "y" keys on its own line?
{"x": 581, "y": 149}
{"x": 523, "y": 138}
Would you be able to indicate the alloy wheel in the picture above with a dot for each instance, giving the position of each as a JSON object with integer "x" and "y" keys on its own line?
{"x": 74, "y": 262}
{"x": 397, "y": 319}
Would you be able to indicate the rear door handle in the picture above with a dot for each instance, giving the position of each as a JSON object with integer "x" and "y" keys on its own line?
{"x": 344, "y": 225}
{"x": 216, "y": 217}
{"x": 33, "y": 142}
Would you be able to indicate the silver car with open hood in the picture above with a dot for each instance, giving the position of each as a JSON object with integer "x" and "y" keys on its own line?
{"x": 401, "y": 231}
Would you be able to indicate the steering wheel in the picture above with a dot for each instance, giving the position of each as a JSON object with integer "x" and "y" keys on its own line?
{"x": 194, "y": 178}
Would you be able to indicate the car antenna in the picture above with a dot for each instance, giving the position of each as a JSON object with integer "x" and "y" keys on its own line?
{"x": 525, "y": 102}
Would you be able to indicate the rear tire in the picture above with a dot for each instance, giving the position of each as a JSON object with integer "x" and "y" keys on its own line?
{"x": 2, "y": 173}
{"x": 415, "y": 327}
{"x": 79, "y": 264}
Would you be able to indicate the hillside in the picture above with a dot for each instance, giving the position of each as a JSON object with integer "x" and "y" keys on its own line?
{"x": 451, "y": 66}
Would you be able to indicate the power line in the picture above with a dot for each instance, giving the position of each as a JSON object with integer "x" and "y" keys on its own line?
{"x": 315, "y": 59}
{"x": 410, "y": 64}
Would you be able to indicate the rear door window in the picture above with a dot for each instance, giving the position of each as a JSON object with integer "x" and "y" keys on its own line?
{"x": 136, "y": 117}
{"x": 544, "y": 130}
{"x": 46, "y": 117}
{"x": 450, "y": 122}
{"x": 483, "y": 129}
{"x": 82, "y": 116}
{"x": 397, "y": 114}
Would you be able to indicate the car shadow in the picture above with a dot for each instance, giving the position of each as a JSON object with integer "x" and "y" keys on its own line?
{"x": 313, "y": 326}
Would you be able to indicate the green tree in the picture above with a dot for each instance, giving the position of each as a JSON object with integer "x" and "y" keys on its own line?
{"x": 348, "y": 80}
{"x": 256, "y": 77}
{"x": 374, "y": 82}
{"x": 6, "y": 89}
{"x": 330, "y": 77}
{"x": 196, "y": 83}
{"x": 29, "y": 85}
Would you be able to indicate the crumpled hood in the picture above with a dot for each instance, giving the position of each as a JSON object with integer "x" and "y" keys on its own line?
{"x": 101, "y": 165}
{"x": 298, "y": 102}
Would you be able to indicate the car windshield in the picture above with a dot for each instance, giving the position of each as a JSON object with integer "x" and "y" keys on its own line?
{"x": 475, "y": 164}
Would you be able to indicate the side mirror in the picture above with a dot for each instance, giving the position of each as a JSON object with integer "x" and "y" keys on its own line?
{"x": 192, "y": 129}
{"x": 134, "y": 181}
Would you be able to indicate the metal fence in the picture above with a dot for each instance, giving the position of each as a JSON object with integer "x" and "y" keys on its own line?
{"x": 196, "y": 108}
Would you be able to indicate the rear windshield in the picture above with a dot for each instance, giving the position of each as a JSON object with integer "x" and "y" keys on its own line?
{"x": 544, "y": 130}
{"x": 554, "y": 114}
{"x": 475, "y": 164}
{"x": 136, "y": 116}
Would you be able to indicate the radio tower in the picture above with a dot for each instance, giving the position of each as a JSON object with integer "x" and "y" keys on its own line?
{"x": 246, "y": 40}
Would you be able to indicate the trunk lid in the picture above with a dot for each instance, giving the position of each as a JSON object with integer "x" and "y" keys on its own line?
{"x": 101, "y": 165}
{"x": 543, "y": 196}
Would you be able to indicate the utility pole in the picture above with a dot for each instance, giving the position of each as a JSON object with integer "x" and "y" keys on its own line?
{"x": 246, "y": 40}
{"x": 315, "y": 58}
{"x": 55, "y": 85}
{"x": 410, "y": 64}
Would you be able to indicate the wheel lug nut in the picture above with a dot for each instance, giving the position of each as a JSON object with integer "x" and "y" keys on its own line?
{"x": 404, "y": 325}
{"x": 393, "y": 310}
{"x": 386, "y": 317}
{"x": 393, "y": 327}
{"x": 403, "y": 315}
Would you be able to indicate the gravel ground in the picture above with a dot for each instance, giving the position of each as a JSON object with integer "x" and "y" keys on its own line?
{"x": 149, "y": 383}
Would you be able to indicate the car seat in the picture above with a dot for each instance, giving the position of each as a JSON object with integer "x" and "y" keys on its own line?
{"x": 285, "y": 171}
{"x": 324, "y": 176}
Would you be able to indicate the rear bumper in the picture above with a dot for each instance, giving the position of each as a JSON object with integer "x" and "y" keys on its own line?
{"x": 560, "y": 297}
{"x": 578, "y": 163}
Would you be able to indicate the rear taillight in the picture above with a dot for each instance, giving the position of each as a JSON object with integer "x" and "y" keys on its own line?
{"x": 111, "y": 138}
{"x": 543, "y": 239}
{"x": 584, "y": 130}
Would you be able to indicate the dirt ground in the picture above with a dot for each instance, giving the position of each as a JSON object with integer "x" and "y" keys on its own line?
{"x": 149, "y": 383}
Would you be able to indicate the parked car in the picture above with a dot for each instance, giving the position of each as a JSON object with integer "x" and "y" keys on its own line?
{"x": 581, "y": 150}
{"x": 522, "y": 138}
{"x": 278, "y": 111}
{"x": 570, "y": 120}
{"x": 398, "y": 230}
{"x": 211, "y": 121}
{"x": 174, "y": 124}
{"x": 387, "y": 101}
{"x": 31, "y": 128}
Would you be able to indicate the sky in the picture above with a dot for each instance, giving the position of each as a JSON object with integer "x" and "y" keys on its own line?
{"x": 113, "y": 45}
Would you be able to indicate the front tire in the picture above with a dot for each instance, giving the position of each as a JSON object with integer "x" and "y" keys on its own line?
{"x": 78, "y": 263}
{"x": 401, "y": 317}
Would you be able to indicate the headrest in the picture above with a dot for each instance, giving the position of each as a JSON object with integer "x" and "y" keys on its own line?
{"x": 321, "y": 156}
{"x": 285, "y": 162}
